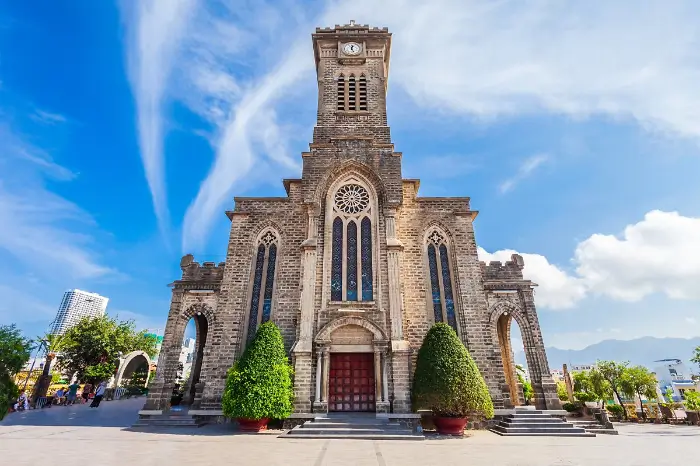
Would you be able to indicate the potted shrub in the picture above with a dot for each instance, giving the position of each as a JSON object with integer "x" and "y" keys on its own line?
{"x": 259, "y": 385}
{"x": 448, "y": 382}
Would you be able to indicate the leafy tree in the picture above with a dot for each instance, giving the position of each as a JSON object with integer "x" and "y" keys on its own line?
{"x": 528, "y": 391}
{"x": 639, "y": 381}
{"x": 592, "y": 384}
{"x": 562, "y": 392}
{"x": 447, "y": 380}
{"x": 259, "y": 385}
{"x": 96, "y": 343}
{"x": 696, "y": 356}
{"x": 614, "y": 373}
{"x": 15, "y": 350}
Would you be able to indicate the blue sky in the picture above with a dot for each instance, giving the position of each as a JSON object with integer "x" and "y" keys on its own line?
{"x": 126, "y": 129}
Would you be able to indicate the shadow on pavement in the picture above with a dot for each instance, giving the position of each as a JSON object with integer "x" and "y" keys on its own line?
{"x": 118, "y": 413}
{"x": 206, "y": 430}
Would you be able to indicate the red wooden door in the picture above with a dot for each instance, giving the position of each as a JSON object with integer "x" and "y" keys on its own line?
{"x": 351, "y": 382}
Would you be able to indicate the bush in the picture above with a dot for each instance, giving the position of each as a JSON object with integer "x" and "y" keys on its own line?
{"x": 585, "y": 397}
{"x": 9, "y": 392}
{"x": 692, "y": 401}
{"x": 571, "y": 407}
{"x": 259, "y": 385}
{"x": 447, "y": 380}
{"x": 616, "y": 410}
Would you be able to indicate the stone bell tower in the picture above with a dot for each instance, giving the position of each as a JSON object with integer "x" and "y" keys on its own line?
{"x": 352, "y": 65}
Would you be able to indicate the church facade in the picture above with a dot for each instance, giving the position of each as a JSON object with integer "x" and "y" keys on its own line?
{"x": 352, "y": 265}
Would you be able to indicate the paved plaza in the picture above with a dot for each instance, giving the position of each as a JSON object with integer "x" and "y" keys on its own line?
{"x": 102, "y": 436}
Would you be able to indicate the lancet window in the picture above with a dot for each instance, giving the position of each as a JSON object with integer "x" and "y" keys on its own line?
{"x": 263, "y": 282}
{"x": 351, "y": 244}
{"x": 440, "y": 272}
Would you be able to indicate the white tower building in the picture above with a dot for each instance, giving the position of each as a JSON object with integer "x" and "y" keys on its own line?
{"x": 75, "y": 305}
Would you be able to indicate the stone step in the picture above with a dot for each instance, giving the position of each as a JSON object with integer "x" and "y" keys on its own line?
{"x": 551, "y": 430}
{"x": 350, "y": 430}
{"x": 362, "y": 425}
{"x": 543, "y": 434}
{"x": 536, "y": 425}
{"x": 602, "y": 430}
{"x": 301, "y": 434}
{"x": 548, "y": 420}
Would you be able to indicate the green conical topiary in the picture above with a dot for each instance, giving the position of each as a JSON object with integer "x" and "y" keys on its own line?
{"x": 259, "y": 385}
{"x": 447, "y": 380}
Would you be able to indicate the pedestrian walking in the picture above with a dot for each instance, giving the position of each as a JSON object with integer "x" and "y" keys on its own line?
{"x": 72, "y": 393}
{"x": 87, "y": 388}
{"x": 99, "y": 393}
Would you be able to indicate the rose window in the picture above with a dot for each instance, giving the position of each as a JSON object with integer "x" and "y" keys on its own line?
{"x": 351, "y": 199}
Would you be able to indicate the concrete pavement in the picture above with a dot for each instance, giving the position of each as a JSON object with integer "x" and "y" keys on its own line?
{"x": 101, "y": 436}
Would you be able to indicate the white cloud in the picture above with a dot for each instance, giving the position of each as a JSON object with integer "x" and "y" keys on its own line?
{"x": 459, "y": 57}
{"x": 557, "y": 289}
{"x": 156, "y": 28}
{"x": 526, "y": 169}
{"x": 660, "y": 254}
{"x": 691, "y": 320}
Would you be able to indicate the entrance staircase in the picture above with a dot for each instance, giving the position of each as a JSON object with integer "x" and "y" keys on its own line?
{"x": 594, "y": 427}
{"x": 172, "y": 419}
{"x": 348, "y": 426}
{"x": 536, "y": 423}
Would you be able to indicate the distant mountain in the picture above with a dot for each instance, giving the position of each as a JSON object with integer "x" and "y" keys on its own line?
{"x": 643, "y": 351}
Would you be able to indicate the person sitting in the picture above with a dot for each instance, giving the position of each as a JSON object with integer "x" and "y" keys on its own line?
{"x": 22, "y": 402}
{"x": 58, "y": 396}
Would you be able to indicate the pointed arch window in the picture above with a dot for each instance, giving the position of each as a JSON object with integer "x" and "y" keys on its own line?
{"x": 442, "y": 296}
{"x": 263, "y": 282}
{"x": 351, "y": 243}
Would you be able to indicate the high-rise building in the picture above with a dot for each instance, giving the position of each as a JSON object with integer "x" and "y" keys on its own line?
{"x": 75, "y": 305}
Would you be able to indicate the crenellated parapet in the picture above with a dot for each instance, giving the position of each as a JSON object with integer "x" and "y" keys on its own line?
{"x": 204, "y": 276}
{"x": 511, "y": 270}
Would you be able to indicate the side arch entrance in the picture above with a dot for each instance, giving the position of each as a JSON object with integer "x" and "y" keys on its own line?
{"x": 134, "y": 362}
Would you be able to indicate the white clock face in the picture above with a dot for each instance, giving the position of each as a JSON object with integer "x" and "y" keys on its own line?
{"x": 352, "y": 48}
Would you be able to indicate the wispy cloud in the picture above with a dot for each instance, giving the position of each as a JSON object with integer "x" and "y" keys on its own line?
{"x": 48, "y": 117}
{"x": 156, "y": 28}
{"x": 526, "y": 169}
{"x": 461, "y": 57}
{"x": 16, "y": 152}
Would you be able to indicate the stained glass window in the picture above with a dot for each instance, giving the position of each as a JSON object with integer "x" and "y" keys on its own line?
{"x": 447, "y": 288}
{"x": 434, "y": 283}
{"x": 269, "y": 283}
{"x": 366, "y": 256}
{"x": 255, "y": 298}
{"x": 352, "y": 262}
{"x": 337, "y": 261}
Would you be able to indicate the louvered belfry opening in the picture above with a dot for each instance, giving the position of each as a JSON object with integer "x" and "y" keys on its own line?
{"x": 363, "y": 93}
{"x": 352, "y": 93}
{"x": 341, "y": 92}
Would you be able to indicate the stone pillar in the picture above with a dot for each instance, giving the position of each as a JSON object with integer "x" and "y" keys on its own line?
{"x": 569, "y": 384}
{"x": 302, "y": 350}
{"x": 385, "y": 381}
{"x": 541, "y": 378}
{"x": 319, "y": 364}
{"x": 401, "y": 373}
{"x": 377, "y": 376}
{"x": 160, "y": 391}
{"x": 394, "y": 249}
{"x": 324, "y": 360}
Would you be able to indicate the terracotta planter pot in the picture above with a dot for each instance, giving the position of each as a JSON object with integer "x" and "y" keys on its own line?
{"x": 252, "y": 425}
{"x": 450, "y": 425}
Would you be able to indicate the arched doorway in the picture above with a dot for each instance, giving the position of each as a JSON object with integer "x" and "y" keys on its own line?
{"x": 514, "y": 373}
{"x": 134, "y": 370}
{"x": 352, "y": 367}
{"x": 191, "y": 357}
